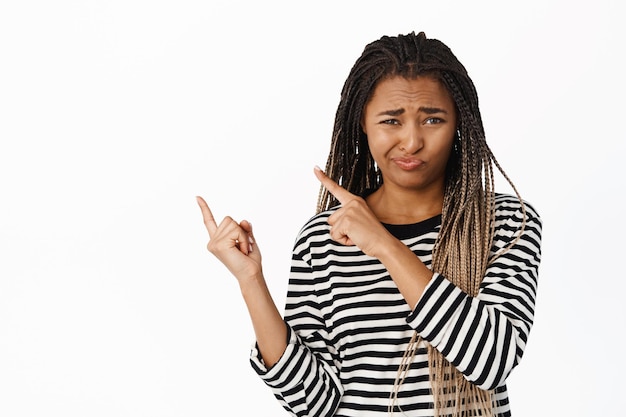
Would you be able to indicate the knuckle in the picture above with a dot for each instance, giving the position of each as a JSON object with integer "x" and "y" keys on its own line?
{"x": 213, "y": 247}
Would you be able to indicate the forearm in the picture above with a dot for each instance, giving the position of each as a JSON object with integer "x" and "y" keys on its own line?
{"x": 485, "y": 336}
{"x": 268, "y": 324}
{"x": 407, "y": 271}
{"x": 482, "y": 340}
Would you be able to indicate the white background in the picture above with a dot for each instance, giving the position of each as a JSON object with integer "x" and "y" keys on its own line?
{"x": 115, "y": 114}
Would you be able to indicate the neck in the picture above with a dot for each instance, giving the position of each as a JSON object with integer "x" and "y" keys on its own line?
{"x": 399, "y": 206}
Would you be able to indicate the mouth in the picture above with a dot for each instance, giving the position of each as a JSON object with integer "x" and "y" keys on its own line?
{"x": 407, "y": 164}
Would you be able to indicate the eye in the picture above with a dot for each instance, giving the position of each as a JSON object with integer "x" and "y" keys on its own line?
{"x": 433, "y": 121}
{"x": 390, "y": 122}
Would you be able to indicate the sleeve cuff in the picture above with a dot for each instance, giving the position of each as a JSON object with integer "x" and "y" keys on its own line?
{"x": 281, "y": 375}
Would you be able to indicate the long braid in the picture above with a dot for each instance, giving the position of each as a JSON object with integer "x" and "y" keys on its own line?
{"x": 462, "y": 249}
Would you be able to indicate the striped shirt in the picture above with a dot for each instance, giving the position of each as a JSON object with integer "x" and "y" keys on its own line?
{"x": 348, "y": 325}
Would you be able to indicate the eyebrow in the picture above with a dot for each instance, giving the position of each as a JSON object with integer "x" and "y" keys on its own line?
{"x": 398, "y": 112}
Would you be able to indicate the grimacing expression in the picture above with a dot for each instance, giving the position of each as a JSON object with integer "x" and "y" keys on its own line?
{"x": 410, "y": 126}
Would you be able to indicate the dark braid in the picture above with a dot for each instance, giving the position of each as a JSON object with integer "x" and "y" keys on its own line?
{"x": 461, "y": 252}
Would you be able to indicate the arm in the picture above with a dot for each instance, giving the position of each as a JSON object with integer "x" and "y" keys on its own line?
{"x": 233, "y": 244}
{"x": 485, "y": 336}
{"x": 305, "y": 380}
{"x": 356, "y": 224}
{"x": 297, "y": 365}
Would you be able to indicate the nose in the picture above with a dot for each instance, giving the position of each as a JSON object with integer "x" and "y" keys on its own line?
{"x": 412, "y": 139}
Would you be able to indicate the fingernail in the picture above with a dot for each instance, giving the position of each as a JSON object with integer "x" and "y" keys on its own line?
{"x": 317, "y": 168}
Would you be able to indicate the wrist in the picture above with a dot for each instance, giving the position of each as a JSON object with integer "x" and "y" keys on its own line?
{"x": 252, "y": 285}
{"x": 391, "y": 249}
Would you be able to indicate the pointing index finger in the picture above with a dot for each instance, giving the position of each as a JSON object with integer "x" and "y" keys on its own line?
{"x": 207, "y": 216}
{"x": 335, "y": 189}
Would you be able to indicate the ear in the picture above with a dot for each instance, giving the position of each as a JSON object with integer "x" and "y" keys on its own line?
{"x": 362, "y": 123}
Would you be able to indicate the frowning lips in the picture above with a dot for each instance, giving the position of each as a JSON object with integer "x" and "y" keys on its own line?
{"x": 407, "y": 164}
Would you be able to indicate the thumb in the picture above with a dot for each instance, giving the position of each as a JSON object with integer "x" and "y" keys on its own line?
{"x": 253, "y": 249}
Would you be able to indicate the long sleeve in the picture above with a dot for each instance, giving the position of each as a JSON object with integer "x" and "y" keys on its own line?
{"x": 349, "y": 325}
{"x": 305, "y": 380}
{"x": 484, "y": 336}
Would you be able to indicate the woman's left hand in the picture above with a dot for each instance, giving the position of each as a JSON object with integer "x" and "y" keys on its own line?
{"x": 354, "y": 223}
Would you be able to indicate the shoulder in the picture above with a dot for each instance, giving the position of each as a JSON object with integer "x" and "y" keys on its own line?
{"x": 317, "y": 221}
{"x": 512, "y": 217}
{"x": 508, "y": 204}
{"x": 316, "y": 229}
{"x": 510, "y": 207}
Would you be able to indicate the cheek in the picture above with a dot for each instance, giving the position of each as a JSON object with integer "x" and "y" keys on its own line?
{"x": 445, "y": 148}
{"x": 378, "y": 144}
{"x": 375, "y": 154}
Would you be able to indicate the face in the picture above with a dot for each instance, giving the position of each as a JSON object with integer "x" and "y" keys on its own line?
{"x": 410, "y": 126}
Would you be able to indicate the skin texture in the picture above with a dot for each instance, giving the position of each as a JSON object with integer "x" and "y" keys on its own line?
{"x": 410, "y": 126}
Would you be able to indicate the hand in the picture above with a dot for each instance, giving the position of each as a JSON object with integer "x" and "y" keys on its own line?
{"x": 354, "y": 223}
{"x": 232, "y": 243}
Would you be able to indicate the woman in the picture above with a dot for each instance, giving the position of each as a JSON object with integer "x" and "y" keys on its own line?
{"x": 412, "y": 290}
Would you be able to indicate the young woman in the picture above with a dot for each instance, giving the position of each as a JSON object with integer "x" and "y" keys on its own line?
{"x": 412, "y": 289}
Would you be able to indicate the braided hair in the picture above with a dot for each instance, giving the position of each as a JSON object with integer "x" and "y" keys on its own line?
{"x": 462, "y": 249}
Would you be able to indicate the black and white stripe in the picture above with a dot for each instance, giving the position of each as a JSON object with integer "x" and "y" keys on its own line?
{"x": 349, "y": 325}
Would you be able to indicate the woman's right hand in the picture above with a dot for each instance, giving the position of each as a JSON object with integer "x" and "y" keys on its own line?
{"x": 233, "y": 244}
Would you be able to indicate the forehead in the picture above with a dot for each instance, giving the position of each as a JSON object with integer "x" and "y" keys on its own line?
{"x": 422, "y": 90}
